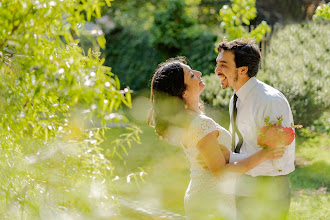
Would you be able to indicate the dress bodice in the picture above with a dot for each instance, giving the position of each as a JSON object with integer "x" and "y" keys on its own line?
{"x": 198, "y": 129}
{"x": 206, "y": 193}
{"x": 201, "y": 178}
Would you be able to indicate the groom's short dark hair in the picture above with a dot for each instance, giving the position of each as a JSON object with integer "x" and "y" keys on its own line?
{"x": 246, "y": 53}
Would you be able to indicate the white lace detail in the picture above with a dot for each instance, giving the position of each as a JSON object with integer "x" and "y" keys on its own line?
{"x": 203, "y": 182}
{"x": 199, "y": 128}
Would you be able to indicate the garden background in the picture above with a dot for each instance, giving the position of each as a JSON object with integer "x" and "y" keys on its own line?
{"x": 74, "y": 87}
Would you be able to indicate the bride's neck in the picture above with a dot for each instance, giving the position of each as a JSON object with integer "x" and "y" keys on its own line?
{"x": 194, "y": 106}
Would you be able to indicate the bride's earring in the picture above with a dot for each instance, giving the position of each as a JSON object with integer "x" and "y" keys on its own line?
{"x": 184, "y": 96}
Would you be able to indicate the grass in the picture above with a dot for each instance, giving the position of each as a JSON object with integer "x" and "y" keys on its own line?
{"x": 168, "y": 174}
{"x": 311, "y": 181}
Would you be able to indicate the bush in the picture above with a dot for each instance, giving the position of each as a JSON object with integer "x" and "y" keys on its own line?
{"x": 131, "y": 57}
{"x": 322, "y": 13}
{"x": 168, "y": 28}
{"x": 134, "y": 55}
{"x": 240, "y": 13}
{"x": 199, "y": 49}
{"x": 298, "y": 65}
{"x": 134, "y": 59}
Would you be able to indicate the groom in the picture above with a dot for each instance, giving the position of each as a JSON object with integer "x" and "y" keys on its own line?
{"x": 263, "y": 192}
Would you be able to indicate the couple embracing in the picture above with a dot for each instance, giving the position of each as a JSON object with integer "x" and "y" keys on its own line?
{"x": 231, "y": 176}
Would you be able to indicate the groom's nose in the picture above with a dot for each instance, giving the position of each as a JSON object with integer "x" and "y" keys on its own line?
{"x": 217, "y": 70}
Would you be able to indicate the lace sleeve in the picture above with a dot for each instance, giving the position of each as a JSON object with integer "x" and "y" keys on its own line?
{"x": 200, "y": 127}
{"x": 174, "y": 135}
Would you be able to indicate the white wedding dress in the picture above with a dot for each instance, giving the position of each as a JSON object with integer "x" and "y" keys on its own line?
{"x": 207, "y": 196}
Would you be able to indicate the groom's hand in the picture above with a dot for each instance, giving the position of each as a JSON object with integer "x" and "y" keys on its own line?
{"x": 225, "y": 152}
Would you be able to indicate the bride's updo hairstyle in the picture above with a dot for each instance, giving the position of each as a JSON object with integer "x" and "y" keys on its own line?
{"x": 167, "y": 88}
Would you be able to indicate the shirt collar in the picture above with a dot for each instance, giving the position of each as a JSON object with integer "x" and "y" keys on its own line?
{"x": 243, "y": 92}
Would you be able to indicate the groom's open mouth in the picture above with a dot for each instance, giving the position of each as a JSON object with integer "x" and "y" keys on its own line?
{"x": 223, "y": 80}
{"x": 222, "y": 77}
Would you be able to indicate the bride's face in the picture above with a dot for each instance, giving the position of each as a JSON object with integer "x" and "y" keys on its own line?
{"x": 193, "y": 80}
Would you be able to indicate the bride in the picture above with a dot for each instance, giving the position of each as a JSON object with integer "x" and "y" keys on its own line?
{"x": 177, "y": 117}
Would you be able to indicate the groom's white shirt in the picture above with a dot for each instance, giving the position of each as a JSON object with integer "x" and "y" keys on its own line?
{"x": 257, "y": 101}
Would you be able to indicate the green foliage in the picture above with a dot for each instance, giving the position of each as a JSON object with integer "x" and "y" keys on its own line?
{"x": 205, "y": 11}
{"x": 139, "y": 14}
{"x": 168, "y": 28}
{"x": 55, "y": 103}
{"x": 239, "y": 14}
{"x": 132, "y": 57}
{"x": 298, "y": 65}
{"x": 322, "y": 13}
{"x": 199, "y": 49}
{"x": 134, "y": 14}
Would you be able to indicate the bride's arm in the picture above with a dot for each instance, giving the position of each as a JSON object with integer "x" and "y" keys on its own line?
{"x": 211, "y": 153}
{"x": 216, "y": 163}
{"x": 255, "y": 159}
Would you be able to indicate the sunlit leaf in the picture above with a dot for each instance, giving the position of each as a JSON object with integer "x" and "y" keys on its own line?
{"x": 101, "y": 41}
{"x": 52, "y": 96}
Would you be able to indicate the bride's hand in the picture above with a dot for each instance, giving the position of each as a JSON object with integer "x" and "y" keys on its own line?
{"x": 273, "y": 153}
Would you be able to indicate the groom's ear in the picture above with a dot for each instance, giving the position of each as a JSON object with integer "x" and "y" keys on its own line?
{"x": 244, "y": 70}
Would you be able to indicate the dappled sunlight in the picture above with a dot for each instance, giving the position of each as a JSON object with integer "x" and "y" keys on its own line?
{"x": 74, "y": 138}
{"x": 168, "y": 176}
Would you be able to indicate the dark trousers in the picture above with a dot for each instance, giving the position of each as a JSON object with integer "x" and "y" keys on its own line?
{"x": 268, "y": 198}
